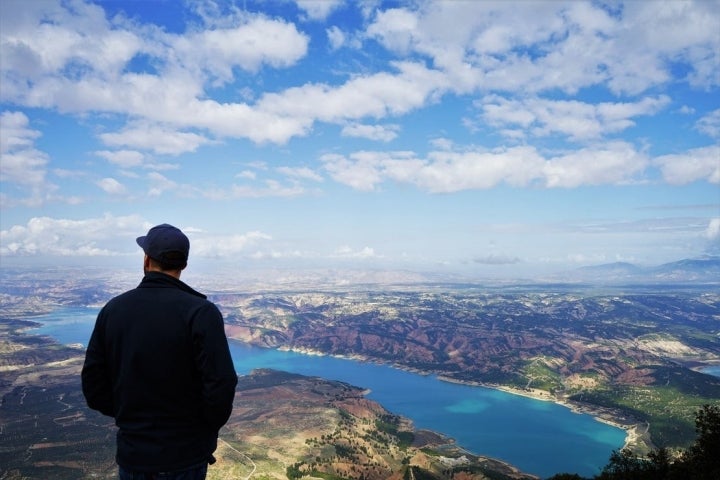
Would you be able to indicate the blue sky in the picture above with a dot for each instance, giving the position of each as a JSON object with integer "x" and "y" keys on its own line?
{"x": 475, "y": 138}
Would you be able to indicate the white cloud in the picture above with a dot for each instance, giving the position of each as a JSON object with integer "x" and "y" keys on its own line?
{"x": 616, "y": 163}
{"x": 72, "y": 77}
{"x": 587, "y": 259}
{"x": 15, "y": 132}
{"x": 159, "y": 184}
{"x": 275, "y": 255}
{"x": 447, "y": 171}
{"x": 454, "y": 171}
{"x": 255, "y": 42}
{"x": 229, "y": 246}
{"x": 45, "y": 236}
{"x": 684, "y": 32}
{"x": 713, "y": 229}
{"x": 339, "y": 38}
{"x": 578, "y": 120}
{"x": 697, "y": 164}
{"x": 161, "y": 139}
{"x": 21, "y": 162}
{"x": 72, "y": 174}
{"x": 442, "y": 143}
{"x": 248, "y": 174}
{"x": 374, "y": 95}
{"x": 710, "y": 124}
{"x": 396, "y": 28}
{"x": 383, "y": 133}
{"x": 82, "y": 62}
{"x": 271, "y": 188}
{"x": 557, "y": 45}
{"x": 336, "y": 37}
{"x": 303, "y": 173}
{"x": 357, "y": 173}
{"x": 48, "y": 38}
{"x": 174, "y": 93}
{"x": 686, "y": 110}
{"x": 111, "y": 186}
{"x": 110, "y": 236}
{"x": 23, "y": 166}
{"x": 122, "y": 158}
{"x": 540, "y": 72}
{"x": 346, "y": 251}
{"x": 80, "y": 36}
{"x": 318, "y": 9}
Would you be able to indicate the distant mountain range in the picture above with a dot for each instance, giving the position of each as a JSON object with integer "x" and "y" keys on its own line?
{"x": 705, "y": 269}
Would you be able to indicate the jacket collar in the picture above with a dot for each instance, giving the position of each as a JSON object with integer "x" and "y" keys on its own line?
{"x": 163, "y": 280}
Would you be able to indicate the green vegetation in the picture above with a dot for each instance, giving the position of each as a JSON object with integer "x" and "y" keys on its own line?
{"x": 542, "y": 376}
{"x": 417, "y": 473}
{"x": 388, "y": 424}
{"x": 293, "y": 471}
{"x": 667, "y": 406}
{"x": 326, "y": 476}
{"x": 405, "y": 439}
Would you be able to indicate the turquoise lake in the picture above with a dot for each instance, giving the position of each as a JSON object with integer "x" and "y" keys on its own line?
{"x": 538, "y": 437}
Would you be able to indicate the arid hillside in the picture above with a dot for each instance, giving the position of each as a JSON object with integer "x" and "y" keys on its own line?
{"x": 627, "y": 355}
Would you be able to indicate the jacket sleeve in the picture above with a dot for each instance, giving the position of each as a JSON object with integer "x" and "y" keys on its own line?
{"x": 96, "y": 382}
{"x": 213, "y": 361}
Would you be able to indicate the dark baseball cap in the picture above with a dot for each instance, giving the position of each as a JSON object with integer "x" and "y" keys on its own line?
{"x": 166, "y": 244}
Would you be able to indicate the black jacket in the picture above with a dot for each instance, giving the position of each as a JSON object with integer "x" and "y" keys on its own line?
{"x": 158, "y": 362}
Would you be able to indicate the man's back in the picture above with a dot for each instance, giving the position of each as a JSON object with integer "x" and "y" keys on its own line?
{"x": 158, "y": 362}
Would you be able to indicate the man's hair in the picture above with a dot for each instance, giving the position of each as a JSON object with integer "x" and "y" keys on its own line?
{"x": 171, "y": 261}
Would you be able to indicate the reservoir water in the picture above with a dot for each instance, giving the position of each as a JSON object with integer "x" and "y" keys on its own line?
{"x": 538, "y": 437}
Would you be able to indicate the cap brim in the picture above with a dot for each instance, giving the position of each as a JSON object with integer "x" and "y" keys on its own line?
{"x": 141, "y": 241}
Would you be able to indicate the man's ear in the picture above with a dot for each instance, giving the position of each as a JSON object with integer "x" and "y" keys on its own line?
{"x": 146, "y": 262}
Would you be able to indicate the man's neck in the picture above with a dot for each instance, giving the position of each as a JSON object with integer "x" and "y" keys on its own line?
{"x": 172, "y": 273}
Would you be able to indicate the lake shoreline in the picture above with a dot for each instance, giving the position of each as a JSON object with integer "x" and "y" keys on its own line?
{"x": 359, "y": 359}
{"x": 634, "y": 439}
{"x": 636, "y": 433}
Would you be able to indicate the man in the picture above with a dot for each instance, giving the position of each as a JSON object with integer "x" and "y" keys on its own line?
{"x": 158, "y": 362}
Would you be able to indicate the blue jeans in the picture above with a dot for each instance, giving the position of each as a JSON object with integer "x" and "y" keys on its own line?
{"x": 195, "y": 473}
